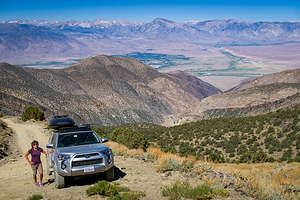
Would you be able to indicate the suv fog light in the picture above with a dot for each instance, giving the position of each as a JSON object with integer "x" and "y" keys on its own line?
{"x": 63, "y": 165}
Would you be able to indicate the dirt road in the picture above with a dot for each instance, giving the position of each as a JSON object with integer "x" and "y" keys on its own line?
{"x": 16, "y": 174}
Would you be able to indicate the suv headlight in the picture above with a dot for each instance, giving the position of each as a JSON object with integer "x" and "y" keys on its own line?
{"x": 63, "y": 156}
{"x": 108, "y": 151}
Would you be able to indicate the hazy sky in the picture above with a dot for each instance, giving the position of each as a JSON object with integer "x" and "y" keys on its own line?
{"x": 147, "y": 10}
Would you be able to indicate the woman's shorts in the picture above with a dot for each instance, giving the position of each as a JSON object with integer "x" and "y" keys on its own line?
{"x": 37, "y": 167}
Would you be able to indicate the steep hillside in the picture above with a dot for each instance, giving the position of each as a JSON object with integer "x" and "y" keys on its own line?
{"x": 253, "y": 97}
{"x": 289, "y": 76}
{"x": 102, "y": 90}
{"x": 246, "y": 139}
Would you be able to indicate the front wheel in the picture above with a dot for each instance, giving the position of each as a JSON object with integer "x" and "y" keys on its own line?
{"x": 59, "y": 180}
{"x": 110, "y": 174}
{"x": 49, "y": 171}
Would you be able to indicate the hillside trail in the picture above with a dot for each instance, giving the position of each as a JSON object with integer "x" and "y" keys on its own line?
{"x": 16, "y": 175}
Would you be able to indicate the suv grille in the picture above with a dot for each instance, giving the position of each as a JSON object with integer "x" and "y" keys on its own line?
{"x": 86, "y": 155}
{"x": 87, "y": 162}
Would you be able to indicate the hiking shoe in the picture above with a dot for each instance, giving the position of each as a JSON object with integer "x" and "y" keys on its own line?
{"x": 37, "y": 185}
{"x": 41, "y": 185}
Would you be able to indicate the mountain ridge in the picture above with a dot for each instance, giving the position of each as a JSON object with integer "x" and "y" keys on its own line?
{"x": 101, "y": 90}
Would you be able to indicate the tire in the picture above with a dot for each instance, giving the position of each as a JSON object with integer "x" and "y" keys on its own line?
{"x": 59, "y": 180}
{"x": 110, "y": 174}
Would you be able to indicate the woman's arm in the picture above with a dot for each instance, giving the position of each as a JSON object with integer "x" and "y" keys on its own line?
{"x": 48, "y": 152}
{"x": 26, "y": 156}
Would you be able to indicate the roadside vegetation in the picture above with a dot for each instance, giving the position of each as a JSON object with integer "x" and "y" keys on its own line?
{"x": 32, "y": 112}
{"x": 35, "y": 197}
{"x": 113, "y": 191}
{"x": 263, "y": 181}
{"x": 183, "y": 189}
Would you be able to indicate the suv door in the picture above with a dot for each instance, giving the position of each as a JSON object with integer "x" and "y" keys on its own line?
{"x": 50, "y": 157}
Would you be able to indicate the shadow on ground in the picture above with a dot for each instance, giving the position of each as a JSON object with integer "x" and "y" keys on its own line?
{"x": 89, "y": 179}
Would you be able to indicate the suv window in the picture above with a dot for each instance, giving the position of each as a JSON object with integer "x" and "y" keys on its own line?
{"x": 76, "y": 139}
{"x": 53, "y": 140}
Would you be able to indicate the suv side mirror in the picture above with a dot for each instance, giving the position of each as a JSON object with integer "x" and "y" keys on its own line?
{"x": 104, "y": 140}
{"x": 50, "y": 146}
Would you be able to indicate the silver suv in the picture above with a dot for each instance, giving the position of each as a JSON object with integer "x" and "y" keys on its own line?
{"x": 78, "y": 151}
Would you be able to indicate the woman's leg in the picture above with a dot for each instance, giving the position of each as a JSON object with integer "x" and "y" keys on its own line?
{"x": 34, "y": 170}
{"x": 41, "y": 178}
{"x": 40, "y": 169}
{"x": 34, "y": 179}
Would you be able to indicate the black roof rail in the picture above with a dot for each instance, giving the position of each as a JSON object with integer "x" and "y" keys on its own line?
{"x": 60, "y": 116}
{"x": 81, "y": 127}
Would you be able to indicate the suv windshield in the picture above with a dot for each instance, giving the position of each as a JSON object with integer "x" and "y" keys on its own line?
{"x": 75, "y": 139}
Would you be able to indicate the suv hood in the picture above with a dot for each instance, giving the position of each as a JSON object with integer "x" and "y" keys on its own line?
{"x": 83, "y": 149}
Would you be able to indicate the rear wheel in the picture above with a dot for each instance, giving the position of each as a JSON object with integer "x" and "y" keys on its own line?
{"x": 59, "y": 180}
{"x": 110, "y": 174}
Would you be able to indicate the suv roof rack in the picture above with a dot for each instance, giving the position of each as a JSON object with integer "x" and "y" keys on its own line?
{"x": 60, "y": 116}
{"x": 81, "y": 127}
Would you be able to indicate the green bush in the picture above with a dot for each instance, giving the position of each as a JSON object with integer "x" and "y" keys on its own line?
{"x": 35, "y": 197}
{"x": 32, "y": 112}
{"x": 103, "y": 188}
{"x": 179, "y": 190}
{"x": 114, "y": 191}
{"x": 128, "y": 196}
{"x": 130, "y": 138}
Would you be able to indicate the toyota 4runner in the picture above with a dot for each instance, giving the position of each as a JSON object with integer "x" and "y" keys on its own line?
{"x": 78, "y": 151}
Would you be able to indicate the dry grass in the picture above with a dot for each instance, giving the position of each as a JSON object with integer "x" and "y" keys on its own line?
{"x": 267, "y": 180}
{"x": 122, "y": 150}
{"x": 163, "y": 161}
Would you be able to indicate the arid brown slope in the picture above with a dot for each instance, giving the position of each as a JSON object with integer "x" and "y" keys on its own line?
{"x": 257, "y": 96}
{"x": 289, "y": 76}
{"x": 102, "y": 90}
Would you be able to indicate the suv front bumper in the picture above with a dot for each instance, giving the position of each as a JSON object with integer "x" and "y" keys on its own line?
{"x": 66, "y": 168}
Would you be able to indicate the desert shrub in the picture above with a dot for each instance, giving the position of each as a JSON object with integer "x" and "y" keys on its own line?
{"x": 103, "y": 188}
{"x": 114, "y": 191}
{"x": 169, "y": 165}
{"x": 130, "y": 138}
{"x": 128, "y": 196}
{"x": 255, "y": 158}
{"x": 217, "y": 158}
{"x": 201, "y": 167}
{"x": 35, "y": 197}
{"x": 180, "y": 189}
{"x": 32, "y": 112}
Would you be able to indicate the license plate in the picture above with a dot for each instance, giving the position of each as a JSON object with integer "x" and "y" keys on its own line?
{"x": 89, "y": 169}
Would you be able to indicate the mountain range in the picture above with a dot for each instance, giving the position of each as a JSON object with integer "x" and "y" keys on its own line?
{"x": 103, "y": 90}
{"x": 27, "y": 41}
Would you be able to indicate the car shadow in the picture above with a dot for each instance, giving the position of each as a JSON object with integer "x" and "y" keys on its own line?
{"x": 89, "y": 179}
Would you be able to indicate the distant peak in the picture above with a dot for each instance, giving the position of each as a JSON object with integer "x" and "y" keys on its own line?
{"x": 162, "y": 20}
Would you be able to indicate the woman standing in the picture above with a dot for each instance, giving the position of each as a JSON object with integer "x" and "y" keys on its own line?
{"x": 36, "y": 163}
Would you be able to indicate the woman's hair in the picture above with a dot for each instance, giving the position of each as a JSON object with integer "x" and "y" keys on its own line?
{"x": 34, "y": 142}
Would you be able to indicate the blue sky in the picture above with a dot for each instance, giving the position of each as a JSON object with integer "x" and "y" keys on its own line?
{"x": 147, "y": 10}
